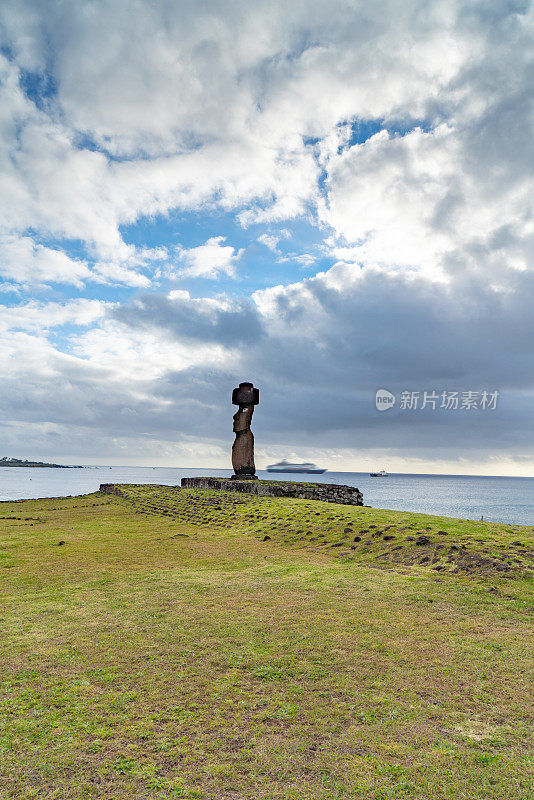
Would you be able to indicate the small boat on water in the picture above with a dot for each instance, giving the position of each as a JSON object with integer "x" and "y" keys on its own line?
{"x": 287, "y": 466}
{"x": 380, "y": 473}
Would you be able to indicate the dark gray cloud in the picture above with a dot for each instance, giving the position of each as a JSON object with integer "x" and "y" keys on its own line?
{"x": 321, "y": 356}
{"x": 228, "y": 323}
{"x": 318, "y": 367}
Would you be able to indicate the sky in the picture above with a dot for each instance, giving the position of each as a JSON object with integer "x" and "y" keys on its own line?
{"x": 325, "y": 197}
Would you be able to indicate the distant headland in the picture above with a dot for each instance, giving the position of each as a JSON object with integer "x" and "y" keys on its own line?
{"x": 18, "y": 462}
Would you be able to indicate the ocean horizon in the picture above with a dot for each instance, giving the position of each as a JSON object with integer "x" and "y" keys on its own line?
{"x": 496, "y": 498}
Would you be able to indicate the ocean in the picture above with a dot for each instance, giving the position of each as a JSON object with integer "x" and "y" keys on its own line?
{"x": 498, "y": 499}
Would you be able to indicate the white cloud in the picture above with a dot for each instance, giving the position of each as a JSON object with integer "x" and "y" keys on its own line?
{"x": 179, "y": 294}
{"x": 40, "y": 317}
{"x": 383, "y": 196}
{"x": 137, "y": 359}
{"x": 24, "y": 261}
{"x": 244, "y": 112}
{"x": 209, "y": 260}
{"x": 270, "y": 241}
{"x": 304, "y": 259}
{"x": 202, "y": 106}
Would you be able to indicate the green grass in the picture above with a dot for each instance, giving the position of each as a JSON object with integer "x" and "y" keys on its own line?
{"x": 166, "y": 651}
{"x": 359, "y": 534}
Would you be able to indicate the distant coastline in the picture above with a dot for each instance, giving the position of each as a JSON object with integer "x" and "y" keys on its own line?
{"x": 18, "y": 462}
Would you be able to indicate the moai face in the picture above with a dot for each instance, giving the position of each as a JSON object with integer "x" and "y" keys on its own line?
{"x": 242, "y": 418}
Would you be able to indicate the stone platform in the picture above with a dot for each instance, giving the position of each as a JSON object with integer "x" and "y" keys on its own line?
{"x": 326, "y": 492}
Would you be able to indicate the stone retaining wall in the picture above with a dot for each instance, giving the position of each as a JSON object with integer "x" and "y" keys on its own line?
{"x": 110, "y": 488}
{"x": 327, "y": 492}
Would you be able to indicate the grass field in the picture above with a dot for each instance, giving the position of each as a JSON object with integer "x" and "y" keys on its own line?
{"x": 158, "y": 645}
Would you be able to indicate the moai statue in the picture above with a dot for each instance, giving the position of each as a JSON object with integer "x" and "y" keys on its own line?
{"x": 246, "y": 397}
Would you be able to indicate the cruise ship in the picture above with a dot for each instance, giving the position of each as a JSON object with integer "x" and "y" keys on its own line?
{"x": 286, "y": 466}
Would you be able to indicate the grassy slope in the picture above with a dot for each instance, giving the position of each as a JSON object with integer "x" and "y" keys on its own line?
{"x": 166, "y": 651}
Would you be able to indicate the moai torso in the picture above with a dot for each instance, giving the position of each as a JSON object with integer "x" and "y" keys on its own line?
{"x": 243, "y": 446}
